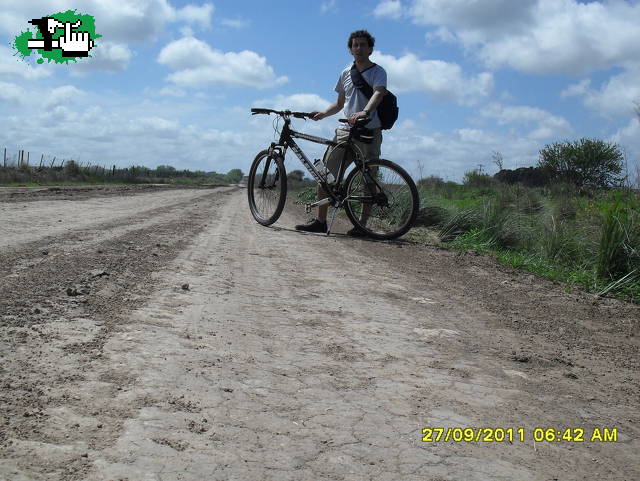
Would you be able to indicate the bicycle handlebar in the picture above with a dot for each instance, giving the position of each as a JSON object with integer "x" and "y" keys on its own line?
{"x": 301, "y": 115}
{"x": 283, "y": 113}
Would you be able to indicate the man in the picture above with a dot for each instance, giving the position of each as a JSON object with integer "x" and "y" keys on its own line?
{"x": 356, "y": 105}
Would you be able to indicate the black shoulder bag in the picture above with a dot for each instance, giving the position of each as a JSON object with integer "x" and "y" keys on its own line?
{"x": 387, "y": 109}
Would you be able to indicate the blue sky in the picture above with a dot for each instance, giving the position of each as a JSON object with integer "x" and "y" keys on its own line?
{"x": 172, "y": 82}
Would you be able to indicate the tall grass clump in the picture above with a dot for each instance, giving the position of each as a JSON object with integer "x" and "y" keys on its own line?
{"x": 619, "y": 247}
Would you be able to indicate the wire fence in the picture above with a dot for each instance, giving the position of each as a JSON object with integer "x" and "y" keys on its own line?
{"x": 26, "y": 167}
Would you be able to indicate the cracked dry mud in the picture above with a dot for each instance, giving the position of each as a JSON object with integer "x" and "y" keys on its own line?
{"x": 161, "y": 334}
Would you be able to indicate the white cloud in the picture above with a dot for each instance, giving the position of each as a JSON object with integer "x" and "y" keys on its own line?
{"x": 195, "y": 14}
{"x": 442, "y": 34}
{"x": 65, "y": 95}
{"x": 104, "y": 134}
{"x": 628, "y": 138}
{"x": 450, "y": 154}
{"x": 151, "y": 125}
{"x": 576, "y": 90}
{"x": 388, "y": 9}
{"x": 127, "y": 21}
{"x": 617, "y": 95}
{"x": 12, "y": 93}
{"x": 540, "y": 36}
{"x": 235, "y": 22}
{"x": 198, "y": 65}
{"x": 543, "y": 124}
{"x": 168, "y": 91}
{"x": 471, "y": 15}
{"x": 105, "y": 57}
{"x": 13, "y": 67}
{"x": 443, "y": 80}
{"x": 327, "y": 6}
{"x": 295, "y": 102}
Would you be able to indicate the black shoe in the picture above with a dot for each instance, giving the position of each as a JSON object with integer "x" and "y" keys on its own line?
{"x": 314, "y": 226}
{"x": 356, "y": 232}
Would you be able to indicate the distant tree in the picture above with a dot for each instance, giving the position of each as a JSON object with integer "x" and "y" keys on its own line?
{"x": 165, "y": 171}
{"x": 498, "y": 159}
{"x": 432, "y": 182}
{"x": 529, "y": 176}
{"x": 473, "y": 178}
{"x": 583, "y": 163}
{"x": 296, "y": 175}
{"x": 234, "y": 176}
{"x": 72, "y": 168}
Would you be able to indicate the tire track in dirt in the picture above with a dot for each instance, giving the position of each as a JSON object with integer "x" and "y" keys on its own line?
{"x": 49, "y": 339}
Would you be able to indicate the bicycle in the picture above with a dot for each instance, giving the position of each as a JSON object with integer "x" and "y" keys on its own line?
{"x": 378, "y": 196}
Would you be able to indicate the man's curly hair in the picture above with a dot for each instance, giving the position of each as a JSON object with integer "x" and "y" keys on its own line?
{"x": 361, "y": 34}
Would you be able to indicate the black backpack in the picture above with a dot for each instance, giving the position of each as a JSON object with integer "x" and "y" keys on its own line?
{"x": 388, "y": 108}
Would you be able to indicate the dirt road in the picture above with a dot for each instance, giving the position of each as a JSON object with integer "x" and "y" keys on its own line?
{"x": 161, "y": 334}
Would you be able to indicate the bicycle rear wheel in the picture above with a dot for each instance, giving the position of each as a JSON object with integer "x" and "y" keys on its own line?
{"x": 267, "y": 188}
{"x": 381, "y": 199}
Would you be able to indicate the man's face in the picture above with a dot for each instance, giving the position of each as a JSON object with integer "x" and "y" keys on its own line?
{"x": 360, "y": 48}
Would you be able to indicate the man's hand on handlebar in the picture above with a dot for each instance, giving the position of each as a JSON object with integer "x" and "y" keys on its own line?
{"x": 353, "y": 118}
{"x": 315, "y": 115}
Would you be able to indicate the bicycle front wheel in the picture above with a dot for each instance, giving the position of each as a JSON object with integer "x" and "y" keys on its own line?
{"x": 267, "y": 188}
{"x": 381, "y": 199}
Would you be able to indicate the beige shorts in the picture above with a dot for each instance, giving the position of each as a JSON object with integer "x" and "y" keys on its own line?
{"x": 333, "y": 155}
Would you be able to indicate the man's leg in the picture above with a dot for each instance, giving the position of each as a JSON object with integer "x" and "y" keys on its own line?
{"x": 323, "y": 209}
{"x": 319, "y": 224}
{"x": 370, "y": 151}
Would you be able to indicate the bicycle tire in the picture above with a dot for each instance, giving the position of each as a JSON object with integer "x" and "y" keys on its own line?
{"x": 267, "y": 190}
{"x": 391, "y": 194}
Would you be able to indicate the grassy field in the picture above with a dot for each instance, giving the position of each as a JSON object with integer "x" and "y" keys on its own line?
{"x": 588, "y": 240}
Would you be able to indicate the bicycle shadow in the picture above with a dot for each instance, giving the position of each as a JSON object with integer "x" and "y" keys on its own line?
{"x": 341, "y": 235}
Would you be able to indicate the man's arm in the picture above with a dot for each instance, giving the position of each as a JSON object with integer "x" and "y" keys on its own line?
{"x": 372, "y": 104}
{"x": 376, "y": 98}
{"x": 334, "y": 108}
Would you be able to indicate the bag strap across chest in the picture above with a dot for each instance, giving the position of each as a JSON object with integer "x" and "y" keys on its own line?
{"x": 360, "y": 83}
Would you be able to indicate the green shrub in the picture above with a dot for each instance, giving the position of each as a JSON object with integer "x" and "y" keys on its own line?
{"x": 431, "y": 182}
{"x": 583, "y": 163}
{"x": 476, "y": 179}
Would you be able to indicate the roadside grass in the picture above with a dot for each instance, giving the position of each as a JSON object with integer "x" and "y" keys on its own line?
{"x": 303, "y": 192}
{"x": 72, "y": 174}
{"x": 590, "y": 242}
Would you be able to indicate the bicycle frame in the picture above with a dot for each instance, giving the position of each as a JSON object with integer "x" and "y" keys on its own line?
{"x": 287, "y": 140}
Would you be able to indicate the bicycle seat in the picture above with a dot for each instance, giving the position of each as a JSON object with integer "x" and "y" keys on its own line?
{"x": 360, "y": 132}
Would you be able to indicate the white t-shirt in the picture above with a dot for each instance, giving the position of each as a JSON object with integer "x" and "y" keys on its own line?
{"x": 355, "y": 100}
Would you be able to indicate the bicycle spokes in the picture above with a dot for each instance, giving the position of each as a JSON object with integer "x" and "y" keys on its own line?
{"x": 381, "y": 199}
{"x": 267, "y": 188}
